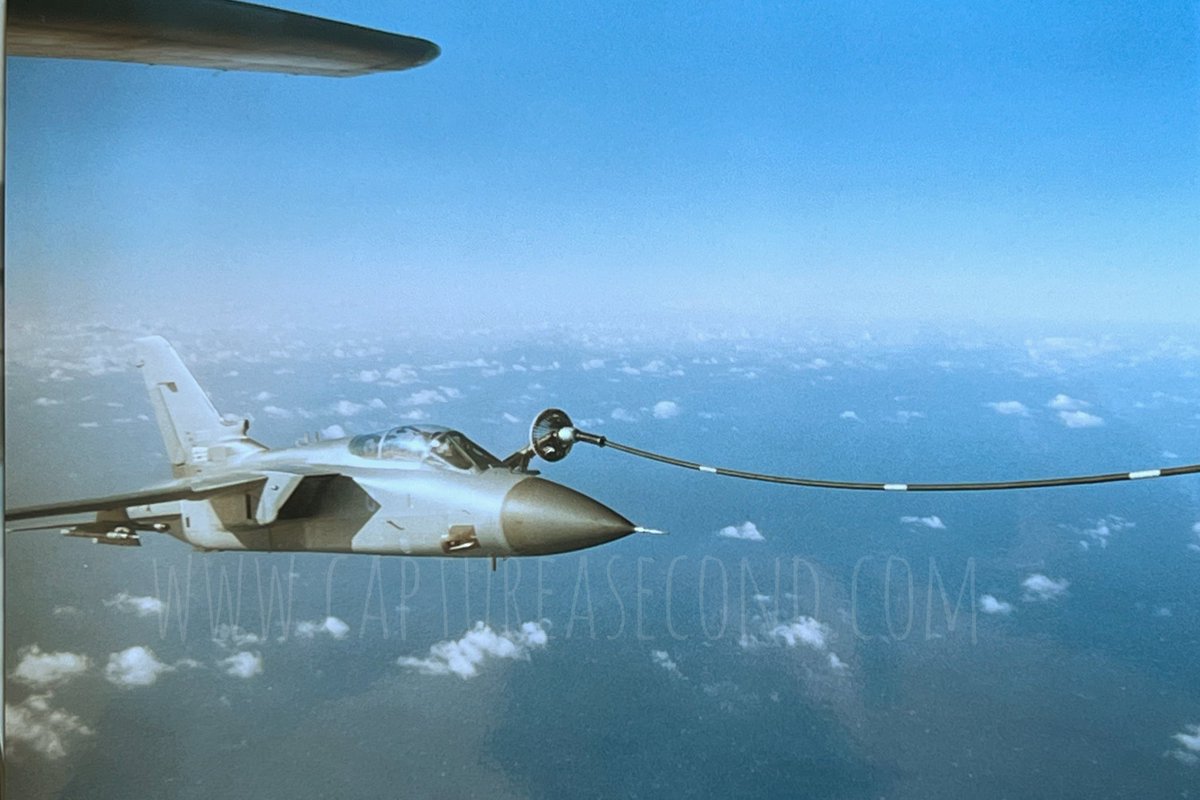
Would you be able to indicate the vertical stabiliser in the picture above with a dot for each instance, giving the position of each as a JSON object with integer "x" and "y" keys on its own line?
{"x": 189, "y": 423}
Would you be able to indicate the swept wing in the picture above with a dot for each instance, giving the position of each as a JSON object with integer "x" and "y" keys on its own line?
{"x": 213, "y": 34}
{"x": 163, "y": 493}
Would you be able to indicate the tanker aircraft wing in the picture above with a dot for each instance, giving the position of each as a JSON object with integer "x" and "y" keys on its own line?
{"x": 213, "y": 34}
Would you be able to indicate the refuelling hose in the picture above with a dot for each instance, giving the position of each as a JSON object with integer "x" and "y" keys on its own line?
{"x": 969, "y": 486}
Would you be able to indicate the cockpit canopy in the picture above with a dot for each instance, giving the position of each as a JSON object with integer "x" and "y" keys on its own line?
{"x": 429, "y": 444}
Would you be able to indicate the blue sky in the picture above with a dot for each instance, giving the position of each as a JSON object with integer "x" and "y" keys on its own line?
{"x": 799, "y": 161}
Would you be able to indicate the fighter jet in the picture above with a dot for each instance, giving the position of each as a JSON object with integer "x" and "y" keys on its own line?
{"x": 414, "y": 490}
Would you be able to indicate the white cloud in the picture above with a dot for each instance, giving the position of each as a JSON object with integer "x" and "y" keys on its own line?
{"x": 277, "y": 412}
{"x": 46, "y": 401}
{"x": 425, "y": 397}
{"x": 931, "y": 521}
{"x": 401, "y": 374}
{"x": 511, "y": 417}
{"x": 134, "y": 666}
{"x": 263, "y": 396}
{"x": 1189, "y": 738}
{"x": 331, "y": 626}
{"x": 849, "y": 415}
{"x": 663, "y": 659}
{"x": 593, "y": 363}
{"x": 1189, "y": 753}
{"x": 621, "y": 415}
{"x": 1009, "y": 408}
{"x": 802, "y": 630}
{"x": 1102, "y": 529}
{"x": 1039, "y": 588}
{"x": 416, "y": 415}
{"x": 35, "y": 723}
{"x": 747, "y": 531}
{"x": 478, "y": 363}
{"x": 368, "y": 376}
{"x": 1062, "y": 402}
{"x": 234, "y": 636}
{"x": 988, "y": 604}
{"x": 242, "y": 664}
{"x": 143, "y": 606}
{"x": 40, "y": 669}
{"x": 908, "y": 416}
{"x": 377, "y": 404}
{"x": 817, "y": 363}
{"x": 334, "y": 431}
{"x": 665, "y": 409}
{"x": 1080, "y": 419}
{"x": 347, "y": 408}
{"x": 463, "y": 657}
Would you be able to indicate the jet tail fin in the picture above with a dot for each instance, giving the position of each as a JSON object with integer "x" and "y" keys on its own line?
{"x": 193, "y": 431}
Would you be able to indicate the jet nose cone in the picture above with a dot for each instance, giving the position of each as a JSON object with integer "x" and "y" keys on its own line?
{"x": 540, "y": 517}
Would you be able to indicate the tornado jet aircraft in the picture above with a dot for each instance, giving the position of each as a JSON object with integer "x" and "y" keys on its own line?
{"x": 414, "y": 490}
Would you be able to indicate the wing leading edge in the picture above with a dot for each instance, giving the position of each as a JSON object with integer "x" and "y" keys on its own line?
{"x": 213, "y": 34}
{"x": 164, "y": 493}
